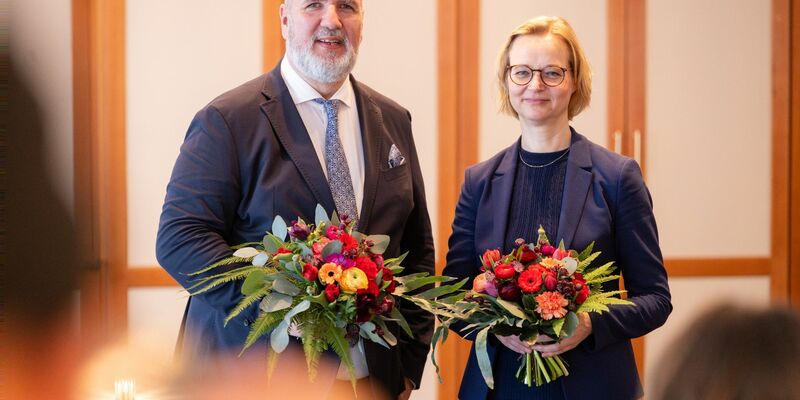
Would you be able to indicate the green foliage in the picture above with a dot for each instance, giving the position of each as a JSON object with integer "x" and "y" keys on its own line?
{"x": 600, "y": 271}
{"x": 227, "y": 277}
{"x": 221, "y": 263}
{"x": 247, "y": 302}
{"x": 264, "y": 324}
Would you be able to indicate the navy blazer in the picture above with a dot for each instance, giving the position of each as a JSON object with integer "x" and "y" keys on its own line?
{"x": 606, "y": 201}
{"x": 248, "y": 157}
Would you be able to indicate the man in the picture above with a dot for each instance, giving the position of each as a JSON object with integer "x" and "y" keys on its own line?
{"x": 273, "y": 146}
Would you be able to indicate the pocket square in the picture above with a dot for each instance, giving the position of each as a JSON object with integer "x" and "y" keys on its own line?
{"x": 395, "y": 158}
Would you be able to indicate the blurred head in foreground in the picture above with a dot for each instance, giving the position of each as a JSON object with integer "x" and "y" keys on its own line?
{"x": 732, "y": 352}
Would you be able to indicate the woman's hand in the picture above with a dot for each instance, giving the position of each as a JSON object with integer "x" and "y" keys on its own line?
{"x": 514, "y": 343}
{"x": 583, "y": 330}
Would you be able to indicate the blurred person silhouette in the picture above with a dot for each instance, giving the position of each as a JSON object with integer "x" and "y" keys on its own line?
{"x": 732, "y": 352}
{"x": 40, "y": 265}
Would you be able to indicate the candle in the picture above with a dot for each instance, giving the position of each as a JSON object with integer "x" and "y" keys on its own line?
{"x": 125, "y": 389}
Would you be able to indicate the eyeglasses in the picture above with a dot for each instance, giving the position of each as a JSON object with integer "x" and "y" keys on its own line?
{"x": 522, "y": 74}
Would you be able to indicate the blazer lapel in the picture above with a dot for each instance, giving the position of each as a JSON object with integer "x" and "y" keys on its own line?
{"x": 291, "y": 132}
{"x": 372, "y": 133}
{"x": 577, "y": 182}
{"x": 496, "y": 201}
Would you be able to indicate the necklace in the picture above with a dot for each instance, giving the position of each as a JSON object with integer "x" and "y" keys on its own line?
{"x": 543, "y": 165}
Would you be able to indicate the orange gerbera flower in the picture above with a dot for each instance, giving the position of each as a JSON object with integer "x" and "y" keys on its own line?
{"x": 551, "y": 305}
{"x": 330, "y": 273}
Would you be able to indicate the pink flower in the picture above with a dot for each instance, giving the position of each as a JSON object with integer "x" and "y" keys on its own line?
{"x": 490, "y": 288}
{"x": 551, "y": 305}
{"x": 559, "y": 254}
{"x": 479, "y": 283}
{"x": 318, "y": 246}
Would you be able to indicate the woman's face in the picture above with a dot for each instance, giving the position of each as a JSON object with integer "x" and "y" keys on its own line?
{"x": 537, "y": 103}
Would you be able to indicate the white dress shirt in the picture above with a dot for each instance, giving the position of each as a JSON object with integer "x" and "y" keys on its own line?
{"x": 316, "y": 122}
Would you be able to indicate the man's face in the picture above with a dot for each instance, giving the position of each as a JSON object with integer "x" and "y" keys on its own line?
{"x": 322, "y": 37}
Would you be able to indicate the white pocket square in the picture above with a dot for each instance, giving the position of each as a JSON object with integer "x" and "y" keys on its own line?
{"x": 395, "y": 158}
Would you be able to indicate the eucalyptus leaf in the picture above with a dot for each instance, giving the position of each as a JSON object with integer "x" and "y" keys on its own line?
{"x": 275, "y": 301}
{"x": 368, "y": 331}
{"x": 279, "y": 228}
{"x": 388, "y": 336}
{"x": 570, "y": 264}
{"x": 333, "y": 247}
{"x": 260, "y": 259}
{"x": 335, "y": 219}
{"x": 253, "y": 282}
{"x": 483, "y": 357}
{"x": 570, "y": 324}
{"x": 512, "y": 308}
{"x": 379, "y": 243}
{"x": 269, "y": 244}
{"x": 282, "y": 285}
{"x": 246, "y": 252}
{"x": 279, "y": 337}
{"x": 320, "y": 215}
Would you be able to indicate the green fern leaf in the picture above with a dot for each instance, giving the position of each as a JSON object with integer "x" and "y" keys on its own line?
{"x": 247, "y": 302}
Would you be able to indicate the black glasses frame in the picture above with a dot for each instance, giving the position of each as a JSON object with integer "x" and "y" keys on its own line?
{"x": 533, "y": 73}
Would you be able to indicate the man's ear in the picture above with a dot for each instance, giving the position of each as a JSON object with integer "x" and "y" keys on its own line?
{"x": 284, "y": 21}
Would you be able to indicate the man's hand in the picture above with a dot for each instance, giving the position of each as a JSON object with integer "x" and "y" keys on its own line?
{"x": 583, "y": 330}
{"x": 514, "y": 343}
{"x": 406, "y": 393}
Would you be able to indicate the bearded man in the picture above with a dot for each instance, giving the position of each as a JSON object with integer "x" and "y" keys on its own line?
{"x": 306, "y": 133}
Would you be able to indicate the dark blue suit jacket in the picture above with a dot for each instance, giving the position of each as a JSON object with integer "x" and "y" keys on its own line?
{"x": 247, "y": 157}
{"x": 606, "y": 201}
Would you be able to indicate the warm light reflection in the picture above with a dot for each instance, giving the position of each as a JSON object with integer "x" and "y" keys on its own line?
{"x": 125, "y": 389}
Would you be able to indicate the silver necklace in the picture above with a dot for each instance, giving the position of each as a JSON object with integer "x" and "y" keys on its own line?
{"x": 543, "y": 165}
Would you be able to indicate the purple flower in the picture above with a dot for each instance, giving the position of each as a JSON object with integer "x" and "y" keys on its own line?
{"x": 299, "y": 230}
{"x": 341, "y": 260}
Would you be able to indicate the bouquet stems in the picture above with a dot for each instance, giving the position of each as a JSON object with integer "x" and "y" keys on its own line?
{"x": 539, "y": 370}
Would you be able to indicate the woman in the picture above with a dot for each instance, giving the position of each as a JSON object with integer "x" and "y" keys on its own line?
{"x": 580, "y": 192}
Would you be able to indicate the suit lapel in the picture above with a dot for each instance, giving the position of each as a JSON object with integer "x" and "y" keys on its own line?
{"x": 497, "y": 199}
{"x": 577, "y": 182}
{"x": 291, "y": 132}
{"x": 372, "y": 133}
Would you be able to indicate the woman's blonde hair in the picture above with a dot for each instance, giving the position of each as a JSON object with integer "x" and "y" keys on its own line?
{"x": 578, "y": 65}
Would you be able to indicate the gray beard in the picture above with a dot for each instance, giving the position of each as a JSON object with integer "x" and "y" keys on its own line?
{"x": 321, "y": 69}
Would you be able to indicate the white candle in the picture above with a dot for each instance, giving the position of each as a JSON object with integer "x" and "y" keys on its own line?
{"x": 125, "y": 389}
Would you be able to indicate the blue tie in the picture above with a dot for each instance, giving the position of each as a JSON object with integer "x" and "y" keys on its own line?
{"x": 339, "y": 180}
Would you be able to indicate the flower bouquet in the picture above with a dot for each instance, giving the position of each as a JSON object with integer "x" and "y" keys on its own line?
{"x": 535, "y": 290}
{"x": 326, "y": 280}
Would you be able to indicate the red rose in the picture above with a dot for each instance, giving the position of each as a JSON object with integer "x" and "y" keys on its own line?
{"x": 490, "y": 257}
{"x": 387, "y": 275}
{"x": 530, "y": 281}
{"x": 391, "y": 287}
{"x": 582, "y": 295}
{"x": 371, "y": 290}
{"x": 510, "y": 292}
{"x": 366, "y": 265}
{"x": 504, "y": 271}
{"x": 310, "y": 272}
{"x": 528, "y": 255}
{"x": 331, "y": 292}
{"x": 348, "y": 242}
{"x": 386, "y": 306}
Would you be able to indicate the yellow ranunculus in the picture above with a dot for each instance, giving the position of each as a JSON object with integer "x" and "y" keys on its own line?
{"x": 353, "y": 279}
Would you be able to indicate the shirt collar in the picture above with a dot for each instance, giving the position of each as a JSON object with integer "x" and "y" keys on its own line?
{"x": 302, "y": 92}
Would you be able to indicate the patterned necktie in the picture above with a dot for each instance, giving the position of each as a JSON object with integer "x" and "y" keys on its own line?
{"x": 338, "y": 172}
